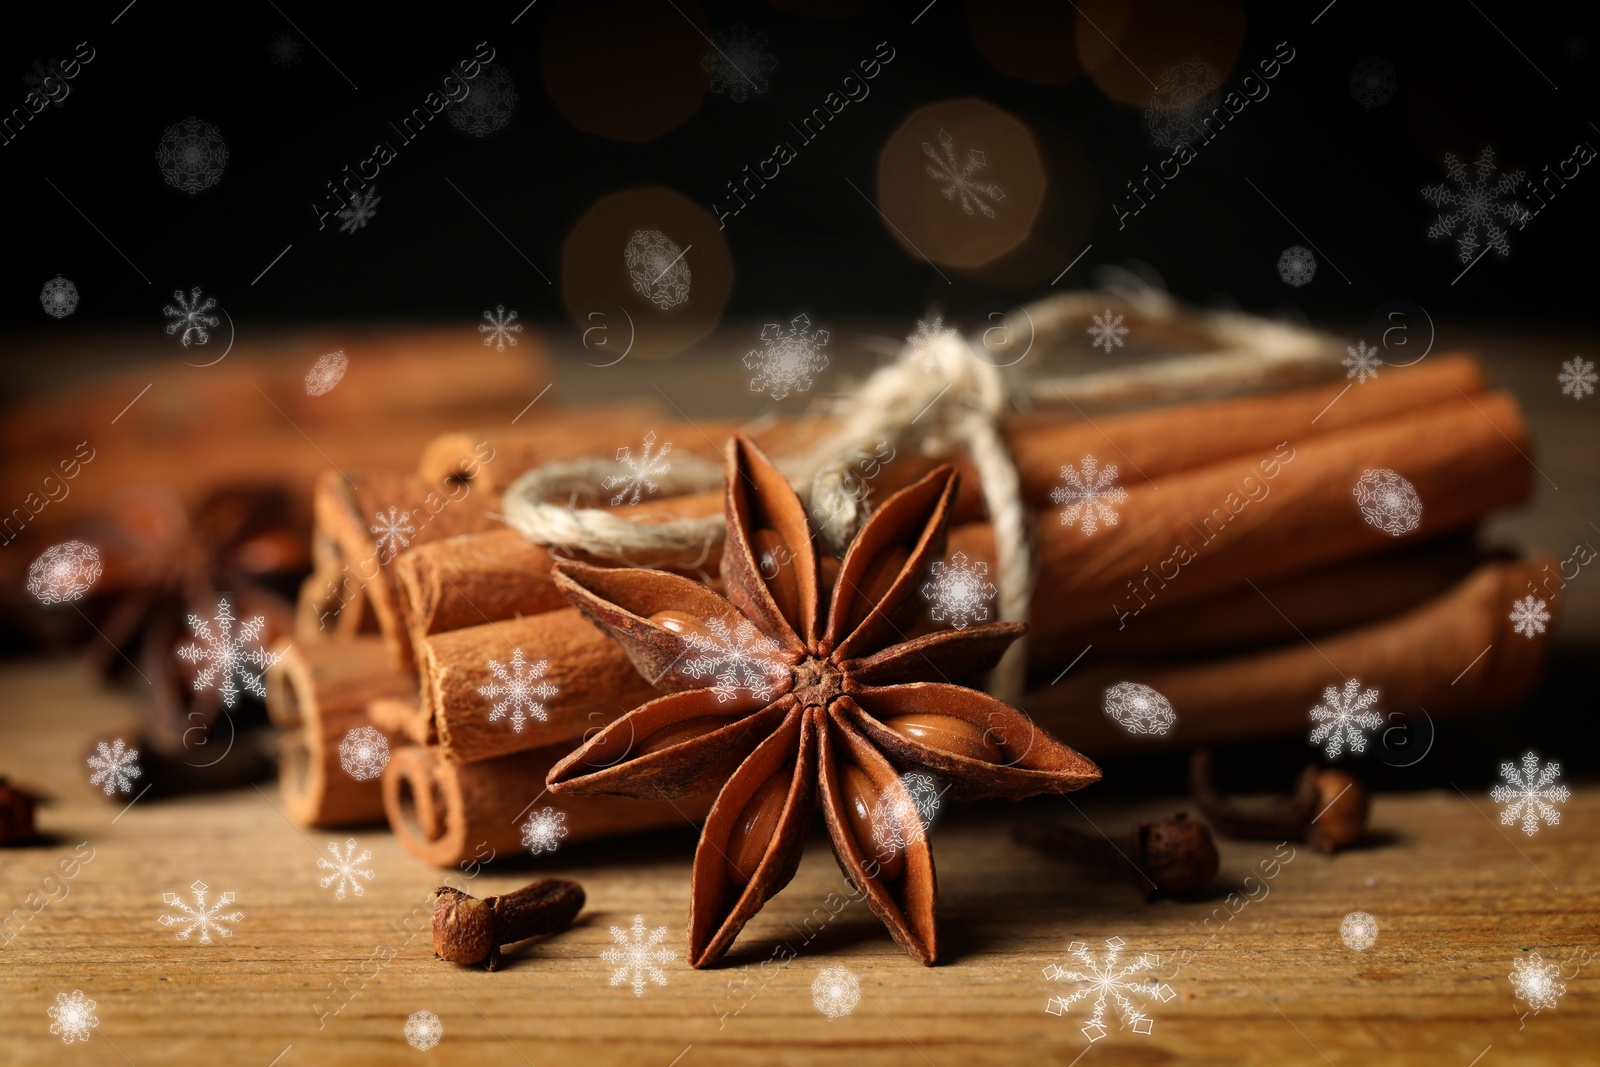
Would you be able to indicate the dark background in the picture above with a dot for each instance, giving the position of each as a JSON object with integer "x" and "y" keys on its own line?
{"x": 1350, "y": 177}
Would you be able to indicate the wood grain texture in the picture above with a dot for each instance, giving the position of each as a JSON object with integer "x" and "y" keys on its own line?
{"x": 1457, "y": 899}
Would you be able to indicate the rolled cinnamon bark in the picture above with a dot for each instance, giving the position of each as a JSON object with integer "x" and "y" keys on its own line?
{"x": 446, "y": 813}
{"x": 402, "y": 717}
{"x": 317, "y": 694}
{"x": 1428, "y": 658}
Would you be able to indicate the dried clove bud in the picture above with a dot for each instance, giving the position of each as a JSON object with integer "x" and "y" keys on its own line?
{"x": 1328, "y": 808}
{"x": 470, "y": 931}
{"x": 16, "y": 814}
{"x": 1173, "y": 856}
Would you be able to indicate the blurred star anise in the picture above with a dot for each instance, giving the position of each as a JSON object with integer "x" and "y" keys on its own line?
{"x": 767, "y": 705}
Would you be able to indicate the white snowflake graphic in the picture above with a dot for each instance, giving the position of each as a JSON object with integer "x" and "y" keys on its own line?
{"x": 190, "y": 317}
{"x": 1388, "y": 502}
{"x": 200, "y": 917}
{"x": 788, "y": 358}
{"x": 59, "y": 297}
{"x": 228, "y": 653}
{"x": 499, "y": 326}
{"x": 1106, "y": 981}
{"x": 959, "y": 591}
{"x": 1535, "y": 982}
{"x": 1362, "y": 362}
{"x": 1345, "y": 718}
{"x": 1107, "y": 331}
{"x": 740, "y": 658}
{"x": 346, "y": 873}
{"x": 636, "y": 954}
{"x": 1297, "y": 266}
{"x": 326, "y": 373}
{"x": 191, "y": 155}
{"x": 1530, "y": 794}
{"x": 1138, "y": 709}
{"x": 42, "y": 77}
{"x": 930, "y": 342}
{"x": 640, "y": 479}
{"x": 1577, "y": 377}
{"x": 1358, "y": 931}
{"x": 393, "y": 532}
{"x": 515, "y": 692}
{"x": 544, "y": 830}
{"x": 115, "y": 767}
{"x": 286, "y": 49}
{"x": 1528, "y": 616}
{"x": 835, "y": 991}
{"x": 423, "y": 1030}
{"x": 363, "y": 207}
{"x": 902, "y": 819}
{"x": 1181, "y": 102}
{"x": 1479, "y": 205}
{"x": 73, "y": 1017}
{"x": 64, "y": 572}
{"x": 1089, "y": 494}
{"x": 957, "y": 177}
{"x": 657, "y": 269}
{"x": 1372, "y": 82}
{"x": 364, "y": 753}
{"x": 739, "y": 63}
{"x": 488, "y": 106}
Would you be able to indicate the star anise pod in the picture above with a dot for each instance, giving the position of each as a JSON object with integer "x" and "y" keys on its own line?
{"x": 781, "y": 705}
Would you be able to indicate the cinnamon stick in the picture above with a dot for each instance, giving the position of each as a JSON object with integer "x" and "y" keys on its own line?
{"x": 446, "y": 813}
{"x": 1428, "y": 658}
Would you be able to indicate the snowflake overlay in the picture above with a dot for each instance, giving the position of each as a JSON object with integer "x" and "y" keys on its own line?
{"x": 326, "y": 373}
{"x": 200, "y": 917}
{"x": 741, "y": 658}
{"x": 423, "y": 1030}
{"x": 739, "y": 64}
{"x": 929, "y": 341}
{"x": 787, "y": 358}
{"x": 499, "y": 326}
{"x": 43, "y": 74}
{"x": 345, "y": 872}
{"x": 1106, "y": 980}
{"x": 1531, "y": 794}
{"x": 1345, "y": 718}
{"x": 956, "y": 177}
{"x": 227, "y": 653}
{"x": 1297, "y": 266}
{"x": 636, "y": 954}
{"x": 959, "y": 591}
{"x": 1577, "y": 377}
{"x": 1536, "y": 982}
{"x": 1528, "y": 616}
{"x": 364, "y": 753}
{"x": 1107, "y": 331}
{"x": 64, "y": 572}
{"x": 1388, "y": 502}
{"x": 1358, "y": 931}
{"x": 392, "y": 532}
{"x": 656, "y": 266}
{"x": 1181, "y": 103}
{"x": 1479, "y": 205}
{"x": 835, "y": 991}
{"x": 363, "y": 207}
{"x": 900, "y": 820}
{"x": 115, "y": 767}
{"x": 640, "y": 479}
{"x": 488, "y": 106}
{"x": 1363, "y": 362}
{"x": 1089, "y": 494}
{"x": 191, "y": 155}
{"x": 190, "y": 317}
{"x": 1372, "y": 82}
{"x": 544, "y": 830}
{"x": 73, "y": 1017}
{"x": 285, "y": 49}
{"x": 59, "y": 297}
{"x": 1138, "y": 709}
{"x": 514, "y": 692}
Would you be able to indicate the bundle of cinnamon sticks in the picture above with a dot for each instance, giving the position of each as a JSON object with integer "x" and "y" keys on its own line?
{"x": 1238, "y": 576}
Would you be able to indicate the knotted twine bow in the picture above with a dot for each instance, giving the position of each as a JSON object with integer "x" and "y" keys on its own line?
{"x": 941, "y": 393}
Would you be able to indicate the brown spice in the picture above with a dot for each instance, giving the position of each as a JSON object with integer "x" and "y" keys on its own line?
{"x": 471, "y": 931}
{"x": 16, "y": 814}
{"x": 1328, "y": 808}
{"x": 1176, "y": 855}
